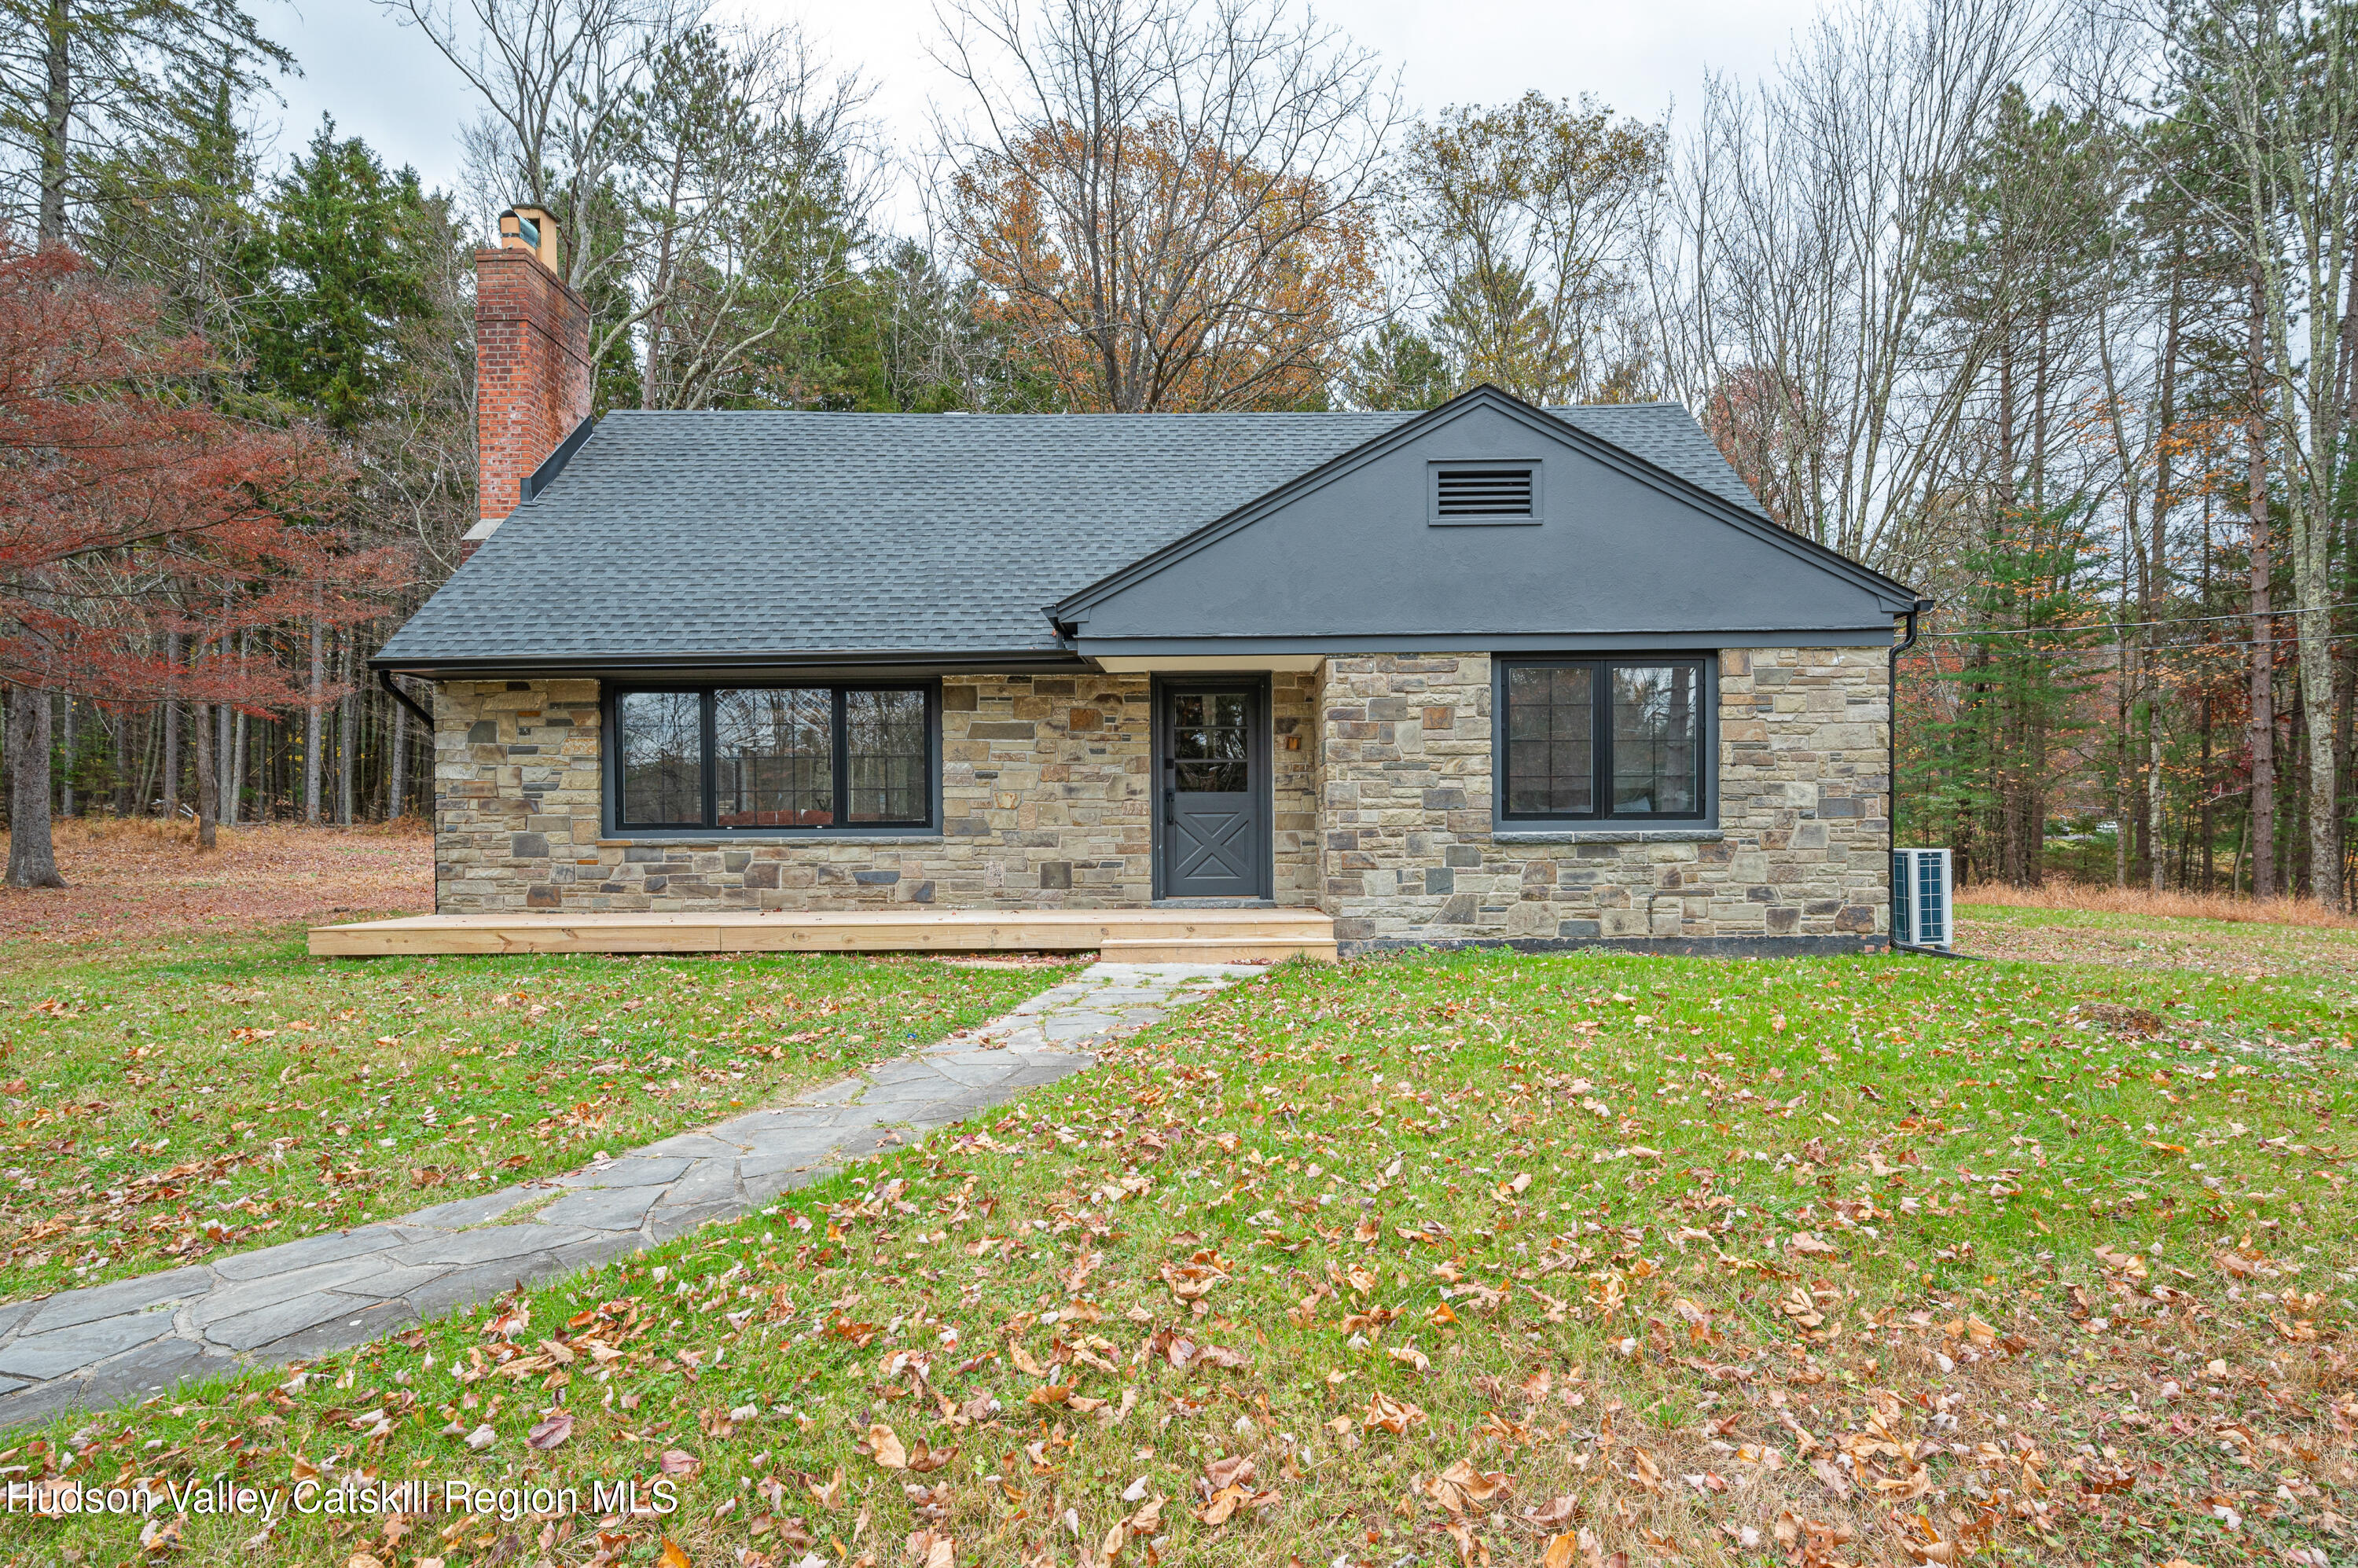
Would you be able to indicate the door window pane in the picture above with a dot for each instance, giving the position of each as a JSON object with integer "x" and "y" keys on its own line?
{"x": 884, "y": 743}
{"x": 1210, "y": 740}
{"x": 663, "y": 757}
{"x": 774, "y": 758}
{"x": 1657, "y": 740}
{"x": 1551, "y": 738}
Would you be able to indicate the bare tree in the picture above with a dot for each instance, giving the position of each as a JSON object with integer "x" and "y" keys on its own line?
{"x": 1520, "y": 222}
{"x": 1798, "y": 249}
{"x": 558, "y": 79}
{"x": 684, "y": 159}
{"x": 1173, "y": 204}
{"x": 753, "y": 180}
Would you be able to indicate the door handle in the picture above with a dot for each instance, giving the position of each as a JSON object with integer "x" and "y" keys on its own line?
{"x": 1170, "y": 808}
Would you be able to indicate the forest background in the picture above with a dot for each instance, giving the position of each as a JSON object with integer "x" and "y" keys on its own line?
{"x": 2047, "y": 306}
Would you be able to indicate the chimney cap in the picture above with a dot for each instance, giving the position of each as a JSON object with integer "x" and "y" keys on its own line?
{"x": 532, "y": 229}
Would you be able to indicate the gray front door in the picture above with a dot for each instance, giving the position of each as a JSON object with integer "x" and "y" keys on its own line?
{"x": 1213, "y": 746}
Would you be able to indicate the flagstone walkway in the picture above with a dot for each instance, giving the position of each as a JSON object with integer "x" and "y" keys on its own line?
{"x": 136, "y": 1337}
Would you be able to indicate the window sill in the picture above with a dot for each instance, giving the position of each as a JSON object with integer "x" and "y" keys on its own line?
{"x": 1609, "y": 835}
{"x": 710, "y": 840}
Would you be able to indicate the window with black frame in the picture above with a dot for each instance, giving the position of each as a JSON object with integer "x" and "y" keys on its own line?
{"x": 1603, "y": 740}
{"x": 773, "y": 758}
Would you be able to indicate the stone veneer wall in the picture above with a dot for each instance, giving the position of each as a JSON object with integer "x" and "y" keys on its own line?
{"x": 1046, "y": 803}
{"x": 1410, "y": 856}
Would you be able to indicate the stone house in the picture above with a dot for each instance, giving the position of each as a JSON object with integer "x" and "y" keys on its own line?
{"x": 1485, "y": 672}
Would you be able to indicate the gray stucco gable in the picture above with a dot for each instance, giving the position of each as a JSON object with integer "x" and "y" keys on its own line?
{"x": 1623, "y": 552}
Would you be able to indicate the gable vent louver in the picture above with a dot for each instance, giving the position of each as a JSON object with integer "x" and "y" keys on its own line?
{"x": 1484, "y": 493}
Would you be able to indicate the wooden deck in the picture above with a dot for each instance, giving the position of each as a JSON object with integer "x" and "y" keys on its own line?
{"x": 1164, "y": 935}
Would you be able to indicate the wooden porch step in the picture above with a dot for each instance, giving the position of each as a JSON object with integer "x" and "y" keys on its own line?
{"x": 1280, "y": 931}
{"x": 1216, "y": 950}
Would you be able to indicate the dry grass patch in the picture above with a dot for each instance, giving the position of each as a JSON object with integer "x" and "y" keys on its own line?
{"x": 2131, "y": 930}
{"x": 2138, "y": 904}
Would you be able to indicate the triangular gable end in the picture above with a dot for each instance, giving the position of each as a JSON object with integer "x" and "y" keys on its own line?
{"x": 1387, "y": 547}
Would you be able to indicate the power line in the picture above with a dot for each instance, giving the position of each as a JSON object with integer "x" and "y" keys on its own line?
{"x": 2128, "y": 625}
{"x": 2159, "y": 648}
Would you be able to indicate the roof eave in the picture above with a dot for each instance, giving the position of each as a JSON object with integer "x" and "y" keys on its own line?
{"x": 593, "y": 665}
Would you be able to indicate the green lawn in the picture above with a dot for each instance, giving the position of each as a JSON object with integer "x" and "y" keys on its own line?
{"x": 162, "y": 1110}
{"x": 1447, "y": 1260}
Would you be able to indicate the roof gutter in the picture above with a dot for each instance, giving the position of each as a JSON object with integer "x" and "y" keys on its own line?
{"x": 591, "y": 666}
{"x": 385, "y": 678}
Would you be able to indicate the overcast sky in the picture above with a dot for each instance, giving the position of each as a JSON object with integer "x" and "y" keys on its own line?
{"x": 383, "y": 81}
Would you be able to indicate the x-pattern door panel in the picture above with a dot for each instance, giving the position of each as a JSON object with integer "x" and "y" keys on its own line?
{"x": 1211, "y": 797}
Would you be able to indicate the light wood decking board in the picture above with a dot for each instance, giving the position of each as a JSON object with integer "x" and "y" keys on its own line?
{"x": 1236, "y": 934}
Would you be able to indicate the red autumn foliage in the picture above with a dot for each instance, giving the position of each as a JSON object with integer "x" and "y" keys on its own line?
{"x": 130, "y": 505}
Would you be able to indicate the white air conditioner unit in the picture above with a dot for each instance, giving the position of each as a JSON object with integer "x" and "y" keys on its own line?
{"x": 1919, "y": 888}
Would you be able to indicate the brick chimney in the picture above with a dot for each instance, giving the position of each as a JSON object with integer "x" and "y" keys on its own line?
{"x": 532, "y": 363}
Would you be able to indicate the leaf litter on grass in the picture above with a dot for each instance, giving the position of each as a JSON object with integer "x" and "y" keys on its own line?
{"x": 162, "y": 1110}
{"x": 142, "y": 884}
{"x": 1510, "y": 1259}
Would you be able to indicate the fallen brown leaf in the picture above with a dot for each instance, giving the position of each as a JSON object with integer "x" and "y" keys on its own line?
{"x": 885, "y": 1448}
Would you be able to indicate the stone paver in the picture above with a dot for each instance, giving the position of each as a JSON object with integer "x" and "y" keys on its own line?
{"x": 132, "y": 1338}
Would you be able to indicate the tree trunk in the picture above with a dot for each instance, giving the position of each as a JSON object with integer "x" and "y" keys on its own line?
{"x": 2345, "y": 681}
{"x": 345, "y": 727}
{"x": 57, "y": 120}
{"x": 2314, "y": 644}
{"x": 145, "y": 794}
{"x": 397, "y": 783}
{"x": 311, "y": 730}
{"x": 2235, "y": 866}
{"x": 32, "y": 859}
{"x": 223, "y": 717}
{"x": 233, "y": 799}
{"x": 207, "y": 792}
{"x": 2263, "y": 834}
{"x": 2154, "y": 578}
{"x": 2127, "y": 805}
{"x": 2294, "y": 875}
{"x": 65, "y": 778}
{"x": 171, "y": 733}
{"x": 233, "y": 804}
{"x": 2209, "y": 828}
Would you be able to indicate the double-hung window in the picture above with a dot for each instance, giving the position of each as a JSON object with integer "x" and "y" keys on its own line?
{"x": 774, "y": 758}
{"x": 1603, "y": 739}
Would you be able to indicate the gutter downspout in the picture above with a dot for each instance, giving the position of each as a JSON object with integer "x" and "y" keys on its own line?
{"x": 385, "y": 678}
{"x": 1891, "y": 784}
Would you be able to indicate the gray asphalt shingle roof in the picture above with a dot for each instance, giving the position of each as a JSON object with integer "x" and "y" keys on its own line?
{"x": 788, "y": 534}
